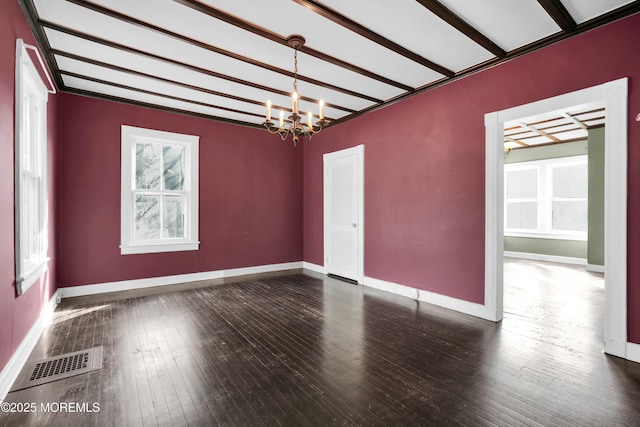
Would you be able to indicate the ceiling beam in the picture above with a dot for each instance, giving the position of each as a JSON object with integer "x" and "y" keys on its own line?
{"x": 91, "y": 94}
{"x": 546, "y": 144}
{"x": 263, "y": 32}
{"x": 129, "y": 49}
{"x": 142, "y": 24}
{"x": 539, "y": 132}
{"x": 560, "y": 14}
{"x": 158, "y": 94}
{"x": 170, "y": 81}
{"x": 461, "y": 25}
{"x": 353, "y": 26}
{"x": 509, "y": 139}
{"x": 109, "y": 43}
{"x": 574, "y": 120}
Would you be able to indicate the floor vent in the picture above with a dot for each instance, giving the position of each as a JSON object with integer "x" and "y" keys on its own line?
{"x": 56, "y": 368}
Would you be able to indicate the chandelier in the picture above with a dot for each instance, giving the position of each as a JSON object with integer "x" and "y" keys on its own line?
{"x": 295, "y": 126}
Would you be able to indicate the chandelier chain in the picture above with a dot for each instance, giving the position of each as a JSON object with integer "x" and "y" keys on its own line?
{"x": 295, "y": 70}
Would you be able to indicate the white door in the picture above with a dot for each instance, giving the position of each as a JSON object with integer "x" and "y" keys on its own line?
{"x": 343, "y": 213}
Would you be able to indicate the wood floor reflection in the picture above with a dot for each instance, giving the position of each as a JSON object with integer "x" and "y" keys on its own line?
{"x": 305, "y": 349}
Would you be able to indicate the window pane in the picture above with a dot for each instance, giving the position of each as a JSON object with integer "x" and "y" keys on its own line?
{"x": 173, "y": 167}
{"x": 570, "y": 181}
{"x": 147, "y": 217}
{"x": 174, "y": 216}
{"x": 522, "y": 215}
{"x": 147, "y": 166}
{"x": 569, "y": 216}
{"x": 522, "y": 184}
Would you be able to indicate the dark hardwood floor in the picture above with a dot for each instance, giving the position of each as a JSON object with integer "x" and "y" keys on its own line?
{"x": 304, "y": 349}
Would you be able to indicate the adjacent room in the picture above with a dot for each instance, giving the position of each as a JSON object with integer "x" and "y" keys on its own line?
{"x": 319, "y": 212}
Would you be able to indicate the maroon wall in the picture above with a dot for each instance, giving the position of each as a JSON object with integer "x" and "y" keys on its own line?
{"x": 424, "y": 165}
{"x": 18, "y": 314}
{"x": 250, "y": 195}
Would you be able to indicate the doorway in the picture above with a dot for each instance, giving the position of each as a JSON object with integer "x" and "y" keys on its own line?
{"x": 613, "y": 95}
{"x": 344, "y": 213}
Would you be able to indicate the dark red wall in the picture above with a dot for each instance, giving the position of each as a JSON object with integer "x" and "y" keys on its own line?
{"x": 250, "y": 195}
{"x": 18, "y": 314}
{"x": 424, "y": 165}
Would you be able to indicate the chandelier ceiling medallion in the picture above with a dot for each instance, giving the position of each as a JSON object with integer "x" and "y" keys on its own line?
{"x": 294, "y": 126}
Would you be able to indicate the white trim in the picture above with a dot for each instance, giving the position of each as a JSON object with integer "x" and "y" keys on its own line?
{"x": 594, "y": 268}
{"x": 455, "y": 304}
{"x": 13, "y": 368}
{"x": 30, "y": 134}
{"x": 313, "y": 267}
{"x": 614, "y": 96}
{"x": 494, "y": 218}
{"x": 130, "y": 136}
{"x": 548, "y": 236}
{"x": 615, "y": 216}
{"x": 23, "y": 283}
{"x": 126, "y": 285}
{"x": 394, "y": 288}
{"x": 462, "y": 306}
{"x": 543, "y": 257}
{"x": 358, "y": 151}
{"x": 158, "y": 247}
{"x": 52, "y": 91}
{"x": 633, "y": 352}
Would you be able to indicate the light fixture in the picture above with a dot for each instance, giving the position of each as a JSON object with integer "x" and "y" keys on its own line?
{"x": 295, "y": 126}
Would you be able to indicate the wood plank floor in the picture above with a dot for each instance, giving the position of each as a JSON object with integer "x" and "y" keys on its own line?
{"x": 308, "y": 350}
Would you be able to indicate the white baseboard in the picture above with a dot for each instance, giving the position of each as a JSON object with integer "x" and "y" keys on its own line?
{"x": 594, "y": 268}
{"x": 462, "y": 306}
{"x": 633, "y": 352}
{"x": 313, "y": 267}
{"x": 550, "y": 258}
{"x": 21, "y": 355}
{"x": 127, "y": 285}
{"x": 394, "y": 288}
{"x": 466, "y": 307}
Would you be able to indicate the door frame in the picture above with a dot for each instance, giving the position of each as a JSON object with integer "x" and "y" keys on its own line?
{"x": 327, "y": 158}
{"x": 614, "y": 95}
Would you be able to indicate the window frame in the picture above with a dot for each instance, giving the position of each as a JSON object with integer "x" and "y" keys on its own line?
{"x": 130, "y": 137}
{"x": 31, "y": 206}
{"x": 545, "y": 198}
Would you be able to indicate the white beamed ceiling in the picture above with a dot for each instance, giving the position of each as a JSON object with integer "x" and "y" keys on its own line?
{"x": 223, "y": 59}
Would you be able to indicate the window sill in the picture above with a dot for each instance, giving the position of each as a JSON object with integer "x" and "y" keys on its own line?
{"x": 158, "y": 247}
{"x": 27, "y": 280}
{"x": 548, "y": 236}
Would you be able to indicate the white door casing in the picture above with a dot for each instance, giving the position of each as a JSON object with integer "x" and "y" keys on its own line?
{"x": 614, "y": 97}
{"x": 344, "y": 213}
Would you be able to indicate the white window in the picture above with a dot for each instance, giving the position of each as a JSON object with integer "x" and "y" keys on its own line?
{"x": 31, "y": 209}
{"x": 159, "y": 191}
{"x": 547, "y": 198}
